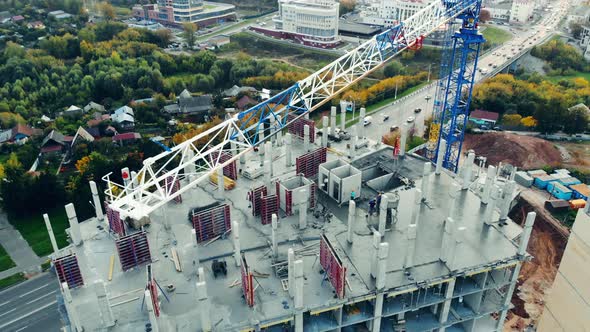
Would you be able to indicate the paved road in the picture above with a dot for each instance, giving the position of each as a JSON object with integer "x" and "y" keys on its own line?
{"x": 31, "y": 306}
{"x": 17, "y": 248}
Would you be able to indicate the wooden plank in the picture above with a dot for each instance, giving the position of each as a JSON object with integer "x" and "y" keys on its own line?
{"x": 111, "y": 267}
{"x": 176, "y": 260}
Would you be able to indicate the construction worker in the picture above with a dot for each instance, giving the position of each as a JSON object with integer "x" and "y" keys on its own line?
{"x": 372, "y": 203}
{"x": 379, "y": 201}
{"x": 352, "y": 195}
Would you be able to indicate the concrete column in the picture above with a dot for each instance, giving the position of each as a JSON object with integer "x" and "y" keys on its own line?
{"x": 96, "y": 201}
{"x": 383, "y": 214}
{"x": 242, "y": 148}
{"x": 351, "y": 220}
{"x": 151, "y": 312}
{"x": 447, "y": 240}
{"x": 234, "y": 148}
{"x": 343, "y": 118}
{"x": 453, "y": 193}
{"x": 190, "y": 168}
{"x": 275, "y": 246}
{"x": 268, "y": 155}
{"x": 333, "y": 112}
{"x": 288, "y": 148}
{"x": 526, "y": 233}
{"x": 587, "y": 207}
{"x": 508, "y": 297}
{"x": 71, "y": 308}
{"x": 489, "y": 212}
{"x": 298, "y": 301}
{"x": 440, "y": 157}
{"x": 303, "y": 215}
{"x": 325, "y": 131}
{"x": 135, "y": 184}
{"x": 291, "y": 273}
{"x": 446, "y": 306}
{"x": 75, "y": 233}
{"x": 306, "y": 138}
{"x": 220, "y": 183}
{"x": 104, "y": 305}
{"x": 204, "y": 306}
{"x": 467, "y": 170}
{"x": 353, "y": 142}
{"x": 380, "y": 285}
{"x": 267, "y": 175}
{"x": 360, "y": 123}
{"x": 50, "y": 232}
{"x": 417, "y": 205}
{"x": 459, "y": 234}
{"x": 425, "y": 180}
{"x": 411, "y": 245}
{"x": 236, "y": 236}
{"x": 279, "y": 134}
{"x": 508, "y": 191}
{"x": 487, "y": 189}
{"x": 195, "y": 247}
{"x": 403, "y": 139}
{"x": 374, "y": 256}
{"x": 261, "y": 133}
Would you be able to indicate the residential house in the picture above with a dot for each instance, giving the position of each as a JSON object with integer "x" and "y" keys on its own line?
{"x": 92, "y": 106}
{"x": 56, "y": 143}
{"x": 5, "y": 17}
{"x": 219, "y": 40}
{"x": 46, "y": 119}
{"x": 73, "y": 111}
{"x": 126, "y": 138}
{"x": 36, "y": 25}
{"x": 265, "y": 94}
{"x": 124, "y": 117}
{"x": 191, "y": 105}
{"x": 245, "y": 102}
{"x": 235, "y": 90}
{"x": 83, "y": 135}
{"x": 59, "y": 14}
{"x": 484, "y": 118}
{"x": 98, "y": 119}
{"x": 17, "y": 19}
{"x": 19, "y": 134}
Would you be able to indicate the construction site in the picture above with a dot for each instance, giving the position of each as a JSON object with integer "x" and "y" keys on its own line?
{"x": 262, "y": 224}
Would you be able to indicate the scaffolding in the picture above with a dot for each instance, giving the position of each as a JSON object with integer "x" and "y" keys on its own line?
{"x": 134, "y": 250}
{"x": 212, "y": 222}
{"x": 68, "y": 271}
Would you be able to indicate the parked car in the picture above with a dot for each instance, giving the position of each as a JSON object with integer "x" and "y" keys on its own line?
{"x": 410, "y": 119}
{"x": 417, "y": 110}
{"x": 393, "y": 128}
{"x": 385, "y": 117}
{"x": 367, "y": 120}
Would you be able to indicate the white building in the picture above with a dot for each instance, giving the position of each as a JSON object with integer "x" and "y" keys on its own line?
{"x": 310, "y": 22}
{"x": 390, "y": 12}
{"x": 579, "y": 15}
{"x": 521, "y": 11}
{"x": 500, "y": 11}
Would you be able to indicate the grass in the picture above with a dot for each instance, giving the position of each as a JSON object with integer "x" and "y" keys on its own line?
{"x": 33, "y": 230}
{"x": 496, "y": 36}
{"x": 578, "y": 74}
{"x": 122, "y": 11}
{"x": 13, "y": 279}
{"x": 5, "y": 260}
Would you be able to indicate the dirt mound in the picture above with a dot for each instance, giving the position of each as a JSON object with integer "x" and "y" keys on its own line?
{"x": 521, "y": 151}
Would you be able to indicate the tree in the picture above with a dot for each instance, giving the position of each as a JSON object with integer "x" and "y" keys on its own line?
{"x": 528, "y": 122}
{"x": 189, "y": 33}
{"x": 576, "y": 119}
{"x": 511, "y": 120}
{"x": 393, "y": 69}
{"x": 347, "y": 6}
{"x": 484, "y": 15}
{"x": 107, "y": 10}
{"x": 576, "y": 29}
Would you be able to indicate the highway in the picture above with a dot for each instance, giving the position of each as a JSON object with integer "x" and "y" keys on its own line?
{"x": 31, "y": 306}
{"x": 402, "y": 109}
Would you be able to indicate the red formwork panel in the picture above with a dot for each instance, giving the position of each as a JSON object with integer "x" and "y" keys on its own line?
{"x": 296, "y": 127}
{"x": 212, "y": 222}
{"x": 247, "y": 282}
{"x": 172, "y": 186}
{"x": 332, "y": 265}
{"x": 309, "y": 163}
{"x": 231, "y": 170}
{"x": 268, "y": 206}
{"x": 153, "y": 288}
{"x": 312, "y": 192}
{"x": 289, "y": 202}
{"x": 255, "y": 196}
{"x": 134, "y": 250}
{"x": 116, "y": 225}
{"x": 68, "y": 271}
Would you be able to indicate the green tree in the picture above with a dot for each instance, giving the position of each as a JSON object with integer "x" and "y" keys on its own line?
{"x": 107, "y": 10}
{"x": 576, "y": 29}
{"x": 189, "y": 33}
{"x": 393, "y": 69}
{"x": 576, "y": 119}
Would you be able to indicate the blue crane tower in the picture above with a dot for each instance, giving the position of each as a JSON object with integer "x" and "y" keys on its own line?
{"x": 455, "y": 87}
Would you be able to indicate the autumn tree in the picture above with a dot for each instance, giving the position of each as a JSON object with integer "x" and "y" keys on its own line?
{"x": 511, "y": 120}
{"x": 107, "y": 10}
{"x": 347, "y": 6}
{"x": 529, "y": 122}
{"x": 576, "y": 119}
{"x": 189, "y": 30}
{"x": 484, "y": 15}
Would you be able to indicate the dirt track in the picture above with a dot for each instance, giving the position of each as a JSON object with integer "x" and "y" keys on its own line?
{"x": 522, "y": 151}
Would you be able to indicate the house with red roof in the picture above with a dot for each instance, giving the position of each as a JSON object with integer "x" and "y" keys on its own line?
{"x": 126, "y": 138}
{"x": 482, "y": 117}
{"x": 18, "y": 134}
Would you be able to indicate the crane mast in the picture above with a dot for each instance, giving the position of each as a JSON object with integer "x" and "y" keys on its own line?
{"x": 194, "y": 160}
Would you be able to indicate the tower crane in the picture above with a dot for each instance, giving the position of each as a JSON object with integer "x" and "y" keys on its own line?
{"x": 195, "y": 159}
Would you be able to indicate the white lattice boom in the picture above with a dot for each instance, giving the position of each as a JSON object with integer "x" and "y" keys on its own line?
{"x": 192, "y": 162}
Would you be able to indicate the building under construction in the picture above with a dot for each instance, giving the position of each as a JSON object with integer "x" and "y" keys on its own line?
{"x": 298, "y": 236}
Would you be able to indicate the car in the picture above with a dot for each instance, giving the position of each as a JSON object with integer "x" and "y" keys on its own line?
{"x": 410, "y": 119}
{"x": 367, "y": 120}
{"x": 417, "y": 110}
{"x": 393, "y": 128}
{"x": 385, "y": 117}
{"x": 495, "y": 66}
{"x": 497, "y": 128}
